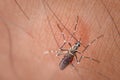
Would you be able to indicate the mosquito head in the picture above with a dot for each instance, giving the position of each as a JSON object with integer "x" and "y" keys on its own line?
{"x": 77, "y": 44}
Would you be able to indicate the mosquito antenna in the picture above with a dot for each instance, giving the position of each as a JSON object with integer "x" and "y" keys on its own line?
{"x": 60, "y": 20}
{"x": 22, "y": 9}
{"x": 50, "y": 25}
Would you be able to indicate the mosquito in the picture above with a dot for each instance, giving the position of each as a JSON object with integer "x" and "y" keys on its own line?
{"x": 70, "y": 53}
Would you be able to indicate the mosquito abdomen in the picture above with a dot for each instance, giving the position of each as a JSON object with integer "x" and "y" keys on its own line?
{"x": 66, "y": 61}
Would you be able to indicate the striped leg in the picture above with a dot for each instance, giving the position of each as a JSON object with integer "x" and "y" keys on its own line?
{"x": 90, "y": 43}
{"x": 88, "y": 47}
{"x": 88, "y": 58}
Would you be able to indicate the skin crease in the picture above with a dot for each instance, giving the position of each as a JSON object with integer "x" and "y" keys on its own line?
{"x": 25, "y": 36}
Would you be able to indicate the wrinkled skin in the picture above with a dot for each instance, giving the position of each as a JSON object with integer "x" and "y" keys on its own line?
{"x": 24, "y": 37}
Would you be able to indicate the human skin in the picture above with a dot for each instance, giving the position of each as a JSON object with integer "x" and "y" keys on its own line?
{"x": 26, "y": 36}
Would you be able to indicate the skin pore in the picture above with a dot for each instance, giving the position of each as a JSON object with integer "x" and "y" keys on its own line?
{"x": 26, "y": 35}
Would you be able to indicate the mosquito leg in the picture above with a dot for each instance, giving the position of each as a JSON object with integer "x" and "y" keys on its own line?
{"x": 76, "y": 24}
{"x": 71, "y": 35}
{"x": 79, "y": 60}
{"x": 90, "y": 43}
{"x": 51, "y": 51}
{"x": 63, "y": 35}
{"x": 61, "y": 52}
{"x": 58, "y": 52}
{"x": 76, "y": 57}
{"x": 91, "y": 59}
{"x": 75, "y": 28}
{"x": 87, "y": 47}
{"x": 88, "y": 58}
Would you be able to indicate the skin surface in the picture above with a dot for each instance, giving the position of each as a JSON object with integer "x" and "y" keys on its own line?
{"x": 25, "y": 35}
